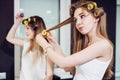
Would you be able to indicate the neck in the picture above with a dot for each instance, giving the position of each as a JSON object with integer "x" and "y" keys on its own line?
{"x": 93, "y": 38}
{"x": 92, "y": 35}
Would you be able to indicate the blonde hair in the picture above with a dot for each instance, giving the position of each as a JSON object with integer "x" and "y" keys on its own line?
{"x": 37, "y": 24}
{"x": 80, "y": 41}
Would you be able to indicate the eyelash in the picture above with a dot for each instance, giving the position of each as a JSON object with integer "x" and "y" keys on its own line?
{"x": 81, "y": 16}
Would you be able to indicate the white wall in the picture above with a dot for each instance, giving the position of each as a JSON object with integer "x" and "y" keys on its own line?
{"x": 65, "y": 30}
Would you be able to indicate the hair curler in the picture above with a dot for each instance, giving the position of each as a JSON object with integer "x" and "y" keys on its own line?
{"x": 21, "y": 13}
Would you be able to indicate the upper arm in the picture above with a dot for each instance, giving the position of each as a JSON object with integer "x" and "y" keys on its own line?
{"x": 93, "y": 51}
{"x": 50, "y": 68}
{"x": 16, "y": 41}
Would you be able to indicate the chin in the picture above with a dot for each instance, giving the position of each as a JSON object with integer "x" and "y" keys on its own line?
{"x": 29, "y": 38}
{"x": 84, "y": 33}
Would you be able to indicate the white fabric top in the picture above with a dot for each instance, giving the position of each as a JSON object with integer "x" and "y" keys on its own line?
{"x": 30, "y": 70}
{"x": 92, "y": 70}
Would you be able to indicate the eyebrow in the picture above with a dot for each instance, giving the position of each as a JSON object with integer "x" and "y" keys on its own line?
{"x": 80, "y": 13}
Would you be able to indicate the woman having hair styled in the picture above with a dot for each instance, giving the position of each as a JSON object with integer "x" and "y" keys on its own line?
{"x": 35, "y": 65}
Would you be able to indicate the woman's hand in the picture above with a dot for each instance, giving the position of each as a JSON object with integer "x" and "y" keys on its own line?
{"x": 41, "y": 41}
{"x": 51, "y": 39}
{"x": 71, "y": 70}
{"x": 18, "y": 18}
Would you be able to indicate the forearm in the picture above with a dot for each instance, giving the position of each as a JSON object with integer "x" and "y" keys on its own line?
{"x": 55, "y": 57}
{"x": 50, "y": 69}
{"x": 49, "y": 78}
{"x": 58, "y": 49}
{"x": 11, "y": 33}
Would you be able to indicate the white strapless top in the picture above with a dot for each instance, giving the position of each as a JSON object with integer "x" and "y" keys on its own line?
{"x": 92, "y": 70}
{"x": 30, "y": 70}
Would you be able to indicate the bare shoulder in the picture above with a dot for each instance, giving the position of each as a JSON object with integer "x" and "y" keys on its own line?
{"x": 106, "y": 44}
{"x": 106, "y": 47}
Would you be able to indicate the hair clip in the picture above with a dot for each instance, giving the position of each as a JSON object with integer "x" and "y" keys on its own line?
{"x": 29, "y": 19}
{"x": 45, "y": 33}
{"x": 96, "y": 14}
{"x": 91, "y": 6}
{"x": 21, "y": 13}
{"x": 95, "y": 4}
{"x": 34, "y": 19}
{"x": 72, "y": 10}
{"x": 25, "y": 22}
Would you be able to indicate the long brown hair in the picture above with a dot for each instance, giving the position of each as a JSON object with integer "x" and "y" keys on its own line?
{"x": 37, "y": 24}
{"x": 80, "y": 41}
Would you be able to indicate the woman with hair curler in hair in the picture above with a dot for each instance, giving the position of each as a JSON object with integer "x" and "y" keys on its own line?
{"x": 93, "y": 51}
{"x": 35, "y": 65}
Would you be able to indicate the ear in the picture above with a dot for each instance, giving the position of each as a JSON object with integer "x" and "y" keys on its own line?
{"x": 96, "y": 20}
